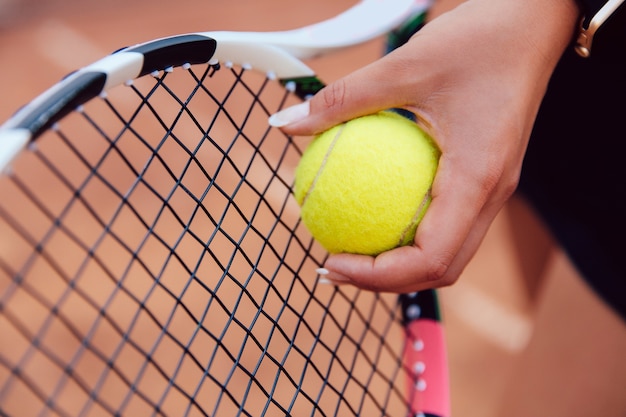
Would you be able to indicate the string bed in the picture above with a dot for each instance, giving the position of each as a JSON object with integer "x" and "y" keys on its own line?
{"x": 152, "y": 262}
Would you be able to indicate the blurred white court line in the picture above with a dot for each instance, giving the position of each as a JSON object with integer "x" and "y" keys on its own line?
{"x": 488, "y": 317}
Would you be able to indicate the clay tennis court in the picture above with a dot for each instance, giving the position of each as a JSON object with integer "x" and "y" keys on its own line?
{"x": 39, "y": 43}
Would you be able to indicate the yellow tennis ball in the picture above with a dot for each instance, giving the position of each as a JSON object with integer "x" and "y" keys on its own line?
{"x": 364, "y": 185}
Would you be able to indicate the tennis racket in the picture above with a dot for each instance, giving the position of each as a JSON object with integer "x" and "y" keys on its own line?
{"x": 152, "y": 259}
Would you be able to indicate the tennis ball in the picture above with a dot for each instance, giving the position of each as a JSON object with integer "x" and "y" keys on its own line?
{"x": 364, "y": 186}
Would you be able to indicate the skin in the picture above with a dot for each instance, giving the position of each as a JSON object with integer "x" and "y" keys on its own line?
{"x": 475, "y": 77}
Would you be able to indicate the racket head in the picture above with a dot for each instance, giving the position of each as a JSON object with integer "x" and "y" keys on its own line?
{"x": 164, "y": 249}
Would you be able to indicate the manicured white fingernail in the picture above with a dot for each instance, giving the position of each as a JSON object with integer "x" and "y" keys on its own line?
{"x": 335, "y": 279}
{"x": 290, "y": 115}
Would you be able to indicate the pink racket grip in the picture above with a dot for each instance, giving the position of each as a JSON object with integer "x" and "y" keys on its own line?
{"x": 425, "y": 356}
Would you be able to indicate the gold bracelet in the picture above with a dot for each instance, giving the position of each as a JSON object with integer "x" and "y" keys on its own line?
{"x": 585, "y": 36}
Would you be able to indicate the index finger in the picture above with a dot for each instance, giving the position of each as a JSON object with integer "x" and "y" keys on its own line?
{"x": 365, "y": 91}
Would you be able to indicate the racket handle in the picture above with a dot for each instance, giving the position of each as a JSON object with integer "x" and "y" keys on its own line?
{"x": 426, "y": 356}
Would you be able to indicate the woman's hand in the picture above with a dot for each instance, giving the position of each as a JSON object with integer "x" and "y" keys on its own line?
{"x": 475, "y": 77}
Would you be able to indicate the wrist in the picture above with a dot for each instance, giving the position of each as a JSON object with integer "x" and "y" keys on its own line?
{"x": 544, "y": 29}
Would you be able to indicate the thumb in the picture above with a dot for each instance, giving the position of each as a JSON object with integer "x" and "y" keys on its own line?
{"x": 365, "y": 91}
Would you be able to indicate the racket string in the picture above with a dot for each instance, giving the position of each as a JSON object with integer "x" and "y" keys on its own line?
{"x": 174, "y": 276}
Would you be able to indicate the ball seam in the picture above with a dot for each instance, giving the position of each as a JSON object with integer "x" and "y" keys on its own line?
{"x": 319, "y": 172}
{"x": 416, "y": 216}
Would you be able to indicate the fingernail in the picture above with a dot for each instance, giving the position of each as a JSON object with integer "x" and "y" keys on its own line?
{"x": 290, "y": 115}
{"x": 335, "y": 279}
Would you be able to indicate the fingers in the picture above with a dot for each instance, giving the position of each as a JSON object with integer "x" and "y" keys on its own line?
{"x": 412, "y": 268}
{"x": 365, "y": 91}
{"x": 447, "y": 238}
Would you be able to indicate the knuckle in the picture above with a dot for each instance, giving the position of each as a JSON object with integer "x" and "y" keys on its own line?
{"x": 491, "y": 177}
{"x": 495, "y": 180}
{"x": 437, "y": 270}
{"x": 334, "y": 95}
{"x": 499, "y": 182}
{"x": 509, "y": 188}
